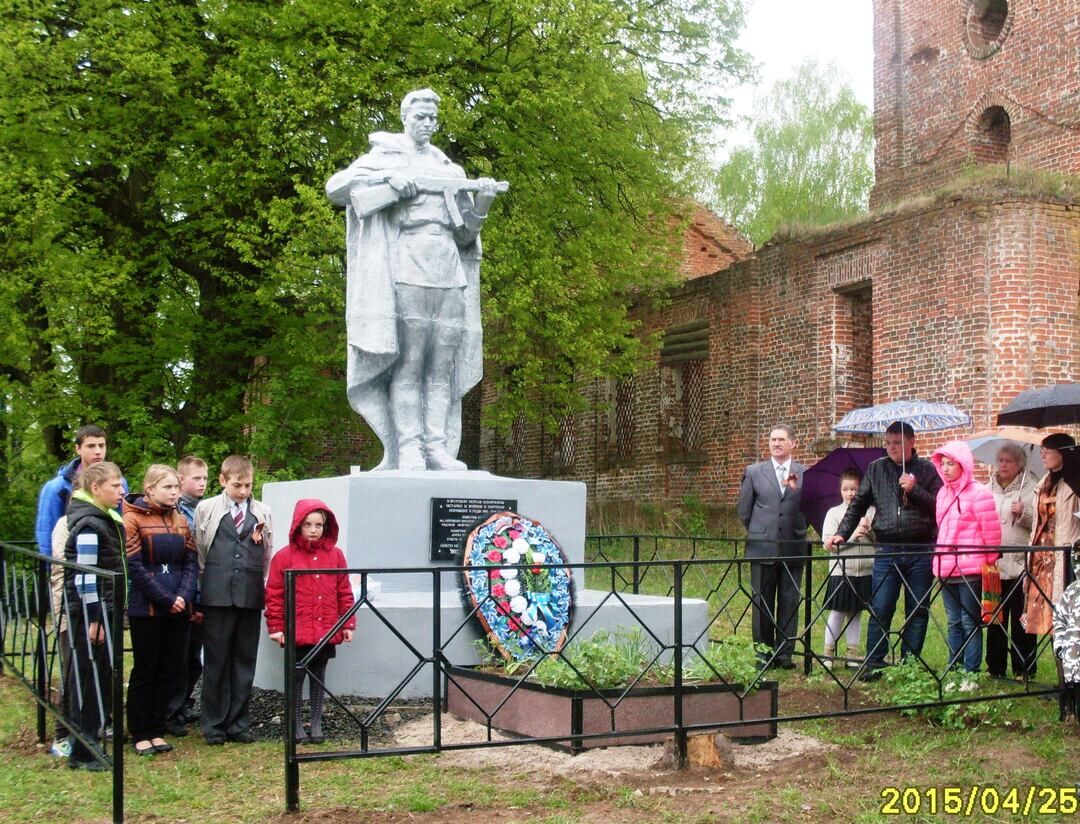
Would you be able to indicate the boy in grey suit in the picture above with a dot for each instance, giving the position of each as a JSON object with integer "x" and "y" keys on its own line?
{"x": 232, "y": 534}
{"x": 768, "y": 507}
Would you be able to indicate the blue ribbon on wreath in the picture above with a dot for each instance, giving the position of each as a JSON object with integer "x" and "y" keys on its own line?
{"x": 540, "y": 606}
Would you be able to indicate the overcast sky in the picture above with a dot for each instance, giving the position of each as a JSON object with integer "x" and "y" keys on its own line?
{"x": 780, "y": 34}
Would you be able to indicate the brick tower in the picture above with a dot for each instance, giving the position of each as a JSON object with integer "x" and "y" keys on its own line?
{"x": 961, "y": 82}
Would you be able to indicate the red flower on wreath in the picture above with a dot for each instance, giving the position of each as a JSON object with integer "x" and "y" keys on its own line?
{"x": 499, "y": 541}
{"x": 494, "y": 556}
{"x": 493, "y": 574}
{"x": 514, "y": 534}
{"x": 516, "y": 625}
{"x": 503, "y": 607}
{"x": 535, "y": 570}
{"x": 498, "y": 591}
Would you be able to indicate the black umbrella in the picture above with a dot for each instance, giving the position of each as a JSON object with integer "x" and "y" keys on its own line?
{"x": 1056, "y": 405}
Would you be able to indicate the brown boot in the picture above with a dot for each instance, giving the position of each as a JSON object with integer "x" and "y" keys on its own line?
{"x": 827, "y": 656}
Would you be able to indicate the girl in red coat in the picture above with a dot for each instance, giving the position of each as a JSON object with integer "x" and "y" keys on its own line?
{"x": 321, "y": 599}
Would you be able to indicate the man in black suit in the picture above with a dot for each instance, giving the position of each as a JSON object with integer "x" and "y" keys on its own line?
{"x": 768, "y": 507}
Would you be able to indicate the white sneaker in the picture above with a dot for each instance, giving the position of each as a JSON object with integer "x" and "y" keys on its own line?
{"x": 969, "y": 684}
{"x": 61, "y": 748}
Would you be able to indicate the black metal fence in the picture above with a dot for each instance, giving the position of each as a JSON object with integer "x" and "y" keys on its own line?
{"x": 689, "y": 602}
{"x": 685, "y": 608}
{"x": 67, "y": 655}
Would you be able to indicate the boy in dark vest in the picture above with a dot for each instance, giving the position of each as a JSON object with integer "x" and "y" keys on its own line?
{"x": 232, "y": 533}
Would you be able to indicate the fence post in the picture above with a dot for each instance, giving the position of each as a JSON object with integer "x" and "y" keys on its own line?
{"x": 636, "y": 574}
{"x": 3, "y": 601}
{"x": 41, "y": 656}
{"x": 119, "y": 585}
{"x": 680, "y": 731}
{"x": 436, "y": 657}
{"x": 808, "y": 589}
{"x": 292, "y": 768}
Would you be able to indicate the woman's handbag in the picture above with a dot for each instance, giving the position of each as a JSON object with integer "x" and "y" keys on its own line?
{"x": 991, "y": 595}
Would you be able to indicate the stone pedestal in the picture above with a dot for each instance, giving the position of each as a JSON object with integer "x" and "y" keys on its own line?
{"x": 385, "y": 523}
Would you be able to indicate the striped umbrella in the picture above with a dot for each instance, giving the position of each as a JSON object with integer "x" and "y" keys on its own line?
{"x": 922, "y": 416}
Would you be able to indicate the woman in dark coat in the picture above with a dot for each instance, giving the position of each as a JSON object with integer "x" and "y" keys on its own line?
{"x": 163, "y": 565}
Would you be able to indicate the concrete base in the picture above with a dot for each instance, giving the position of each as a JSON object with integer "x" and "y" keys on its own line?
{"x": 385, "y": 517}
{"x": 377, "y": 663}
{"x": 385, "y": 522}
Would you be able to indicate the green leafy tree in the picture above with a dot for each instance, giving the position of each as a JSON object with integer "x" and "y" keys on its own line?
{"x": 174, "y": 270}
{"x": 810, "y": 158}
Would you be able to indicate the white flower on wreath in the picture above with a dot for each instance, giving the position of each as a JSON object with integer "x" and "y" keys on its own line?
{"x": 519, "y": 603}
{"x": 538, "y": 557}
{"x": 526, "y": 619}
{"x": 508, "y": 574}
{"x": 520, "y": 545}
{"x": 512, "y": 588}
{"x": 511, "y": 556}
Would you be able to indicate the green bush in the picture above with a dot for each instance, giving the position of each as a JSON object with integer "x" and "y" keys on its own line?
{"x": 912, "y": 683}
{"x": 615, "y": 660}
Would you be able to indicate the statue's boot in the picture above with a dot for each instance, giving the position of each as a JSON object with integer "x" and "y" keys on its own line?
{"x": 408, "y": 422}
{"x": 438, "y": 400}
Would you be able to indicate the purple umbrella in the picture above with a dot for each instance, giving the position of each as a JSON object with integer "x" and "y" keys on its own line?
{"x": 821, "y": 482}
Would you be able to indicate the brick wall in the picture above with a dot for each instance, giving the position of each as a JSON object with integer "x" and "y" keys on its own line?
{"x": 710, "y": 244}
{"x": 966, "y": 302}
{"x": 938, "y": 72}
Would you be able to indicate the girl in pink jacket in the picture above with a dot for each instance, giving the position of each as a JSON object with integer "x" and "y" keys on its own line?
{"x": 967, "y": 519}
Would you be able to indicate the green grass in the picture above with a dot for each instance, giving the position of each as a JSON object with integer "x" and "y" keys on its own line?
{"x": 234, "y": 783}
{"x": 246, "y": 783}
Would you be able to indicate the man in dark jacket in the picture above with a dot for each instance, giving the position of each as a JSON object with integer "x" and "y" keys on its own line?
{"x": 903, "y": 487}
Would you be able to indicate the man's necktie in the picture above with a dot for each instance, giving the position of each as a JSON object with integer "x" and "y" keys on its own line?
{"x": 238, "y": 517}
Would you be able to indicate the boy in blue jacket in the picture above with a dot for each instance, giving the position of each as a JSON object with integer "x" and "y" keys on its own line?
{"x": 90, "y": 448}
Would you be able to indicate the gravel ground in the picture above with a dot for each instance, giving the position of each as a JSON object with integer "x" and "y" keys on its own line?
{"x": 267, "y": 710}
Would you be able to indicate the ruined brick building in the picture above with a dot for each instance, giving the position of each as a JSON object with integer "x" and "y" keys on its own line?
{"x": 964, "y": 295}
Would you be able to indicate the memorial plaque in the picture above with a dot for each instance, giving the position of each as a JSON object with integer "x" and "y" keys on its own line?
{"x": 452, "y": 518}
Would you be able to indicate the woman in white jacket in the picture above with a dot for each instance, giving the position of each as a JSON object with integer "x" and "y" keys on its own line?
{"x": 1013, "y": 488}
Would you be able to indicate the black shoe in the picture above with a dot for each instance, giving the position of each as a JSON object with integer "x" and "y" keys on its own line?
{"x": 164, "y": 746}
{"x": 871, "y": 674}
{"x": 784, "y": 664}
{"x": 187, "y": 715}
{"x": 215, "y": 740}
{"x": 243, "y": 738}
{"x": 151, "y": 750}
{"x": 89, "y": 766}
{"x": 316, "y": 739}
{"x": 176, "y": 728}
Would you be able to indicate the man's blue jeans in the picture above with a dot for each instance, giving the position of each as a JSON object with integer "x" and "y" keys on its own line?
{"x": 895, "y": 567}
{"x": 963, "y": 606}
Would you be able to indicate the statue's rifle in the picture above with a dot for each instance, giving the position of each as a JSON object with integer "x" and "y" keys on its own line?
{"x": 448, "y": 187}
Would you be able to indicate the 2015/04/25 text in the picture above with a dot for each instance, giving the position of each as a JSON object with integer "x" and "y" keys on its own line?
{"x": 1023, "y": 801}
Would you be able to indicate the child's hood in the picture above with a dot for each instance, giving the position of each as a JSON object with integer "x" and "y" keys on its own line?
{"x": 960, "y": 453}
{"x": 303, "y": 508}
